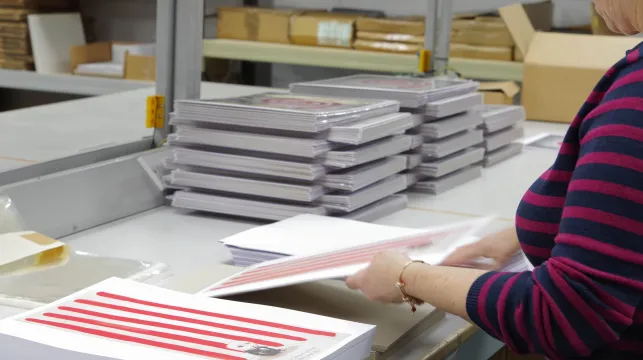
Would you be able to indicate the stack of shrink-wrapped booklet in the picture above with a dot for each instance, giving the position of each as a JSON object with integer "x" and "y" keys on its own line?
{"x": 443, "y": 118}
{"x": 503, "y": 126}
{"x": 275, "y": 155}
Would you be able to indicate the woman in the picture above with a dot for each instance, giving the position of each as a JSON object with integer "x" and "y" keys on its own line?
{"x": 580, "y": 225}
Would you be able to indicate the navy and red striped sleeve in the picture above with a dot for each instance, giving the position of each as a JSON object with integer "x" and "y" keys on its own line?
{"x": 585, "y": 295}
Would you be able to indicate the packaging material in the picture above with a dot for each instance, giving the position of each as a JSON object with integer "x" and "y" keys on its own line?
{"x": 560, "y": 69}
{"x": 410, "y": 25}
{"x": 387, "y": 46}
{"x": 10, "y": 219}
{"x": 254, "y": 24}
{"x": 482, "y": 52}
{"x": 26, "y": 251}
{"x": 323, "y": 29}
{"x": 114, "y": 59}
{"x": 541, "y": 14}
{"x": 483, "y": 37}
{"x": 33, "y": 289}
{"x": 599, "y": 27}
{"x": 499, "y": 92}
{"x": 391, "y": 37}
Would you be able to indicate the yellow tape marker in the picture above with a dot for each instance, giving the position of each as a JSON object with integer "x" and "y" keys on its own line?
{"x": 155, "y": 114}
{"x": 424, "y": 60}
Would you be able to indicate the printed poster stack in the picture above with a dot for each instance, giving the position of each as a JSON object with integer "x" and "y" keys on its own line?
{"x": 126, "y": 320}
{"x": 443, "y": 117}
{"x": 273, "y": 155}
{"x": 503, "y": 127}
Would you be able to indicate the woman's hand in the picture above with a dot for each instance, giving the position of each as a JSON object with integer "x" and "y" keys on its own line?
{"x": 499, "y": 247}
{"x": 379, "y": 280}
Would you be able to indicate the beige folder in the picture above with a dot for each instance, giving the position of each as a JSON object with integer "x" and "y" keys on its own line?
{"x": 396, "y": 325}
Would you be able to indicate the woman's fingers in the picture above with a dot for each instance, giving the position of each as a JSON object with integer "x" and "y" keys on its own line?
{"x": 463, "y": 256}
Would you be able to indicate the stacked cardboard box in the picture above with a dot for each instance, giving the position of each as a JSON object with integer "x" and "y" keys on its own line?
{"x": 15, "y": 46}
{"x": 401, "y": 35}
{"x": 481, "y": 37}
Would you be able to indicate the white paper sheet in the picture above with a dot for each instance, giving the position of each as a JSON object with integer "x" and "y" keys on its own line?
{"x": 431, "y": 246}
{"x": 126, "y": 320}
{"x": 52, "y": 35}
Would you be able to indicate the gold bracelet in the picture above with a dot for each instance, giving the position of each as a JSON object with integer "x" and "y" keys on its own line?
{"x": 412, "y": 301}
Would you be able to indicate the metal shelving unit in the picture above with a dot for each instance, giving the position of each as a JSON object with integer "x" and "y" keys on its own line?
{"x": 352, "y": 59}
{"x": 68, "y": 84}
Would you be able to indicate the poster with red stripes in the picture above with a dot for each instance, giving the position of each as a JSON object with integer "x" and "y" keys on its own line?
{"x": 431, "y": 246}
{"x": 121, "y": 319}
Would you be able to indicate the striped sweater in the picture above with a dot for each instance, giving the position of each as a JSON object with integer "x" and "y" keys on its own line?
{"x": 581, "y": 226}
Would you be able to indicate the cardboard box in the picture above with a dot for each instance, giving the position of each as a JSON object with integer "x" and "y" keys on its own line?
{"x": 135, "y": 67}
{"x": 323, "y": 29}
{"x": 399, "y": 38}
{"x": 499, "y": 92}
{"x": 482, "y": 52}
{"x": 254, "y": 24}
{"x": 489, "y": 37}
{"x": 560, "y": 69}
{"x": 387, "y": 46}
{"x": 410, "y": 25}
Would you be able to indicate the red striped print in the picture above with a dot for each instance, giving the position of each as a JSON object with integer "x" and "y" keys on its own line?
{"x": 610, "y": 72}
{"x": 603, "y": 217}
{"x": 502, "y": 307}
{"x": 158, "y": 334}
{"x": 615, "y": 310}
{"x": 519, "y": 318}
{"x": 611, "y": 158}
{"x": 600, "y": 247}
{"x": 544, "y": 201}
{"x": 556, "y": 176}
{"x": 551, "y": 307}
{"x": 595, "y": 97}
{"x": 633, "y": 56}
{"x": 536, "y": 251}
{"x": 168, "y": 326}
{"x": 221, "y": 316}
{"x": 568, "y": 149}
{"x": 136, "y": 340}
{"x": 188, "y": 320}
{"x": 589, "y": 271}
{"x": 482, "y": 303}
{"x": 549, "y": 334}
{"x": 631, "y": 78}
{"x": 539, "y": 315}
{"x": 608, "y": 188}
{"x": 625, "y": 103}
{"x": 414, "y": 240}
{"x": 579, "y": 303}
{"x": 619, "y": 130}
{"x": 537, "y": 226}
{"x": 326, "y": 261}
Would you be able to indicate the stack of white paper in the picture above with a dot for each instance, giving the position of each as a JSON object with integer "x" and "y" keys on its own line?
{"x": 305, "y": 235}
{"x": 446, "y": 165}
{"x": 503, "y": 128}
{"x": 442, "y": 114}
{"x": 445, "y": 183}
{"x": 282, "y": 111}
{"x": 447, "y": 107}
{"x": 245, "y": 157}
{"x": 411, "y": 92}
{"x": 333, "y": 250}
{"x": 122, "y": 319}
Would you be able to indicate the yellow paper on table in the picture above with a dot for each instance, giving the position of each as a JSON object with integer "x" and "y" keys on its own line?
{"x": 27, "y": 250}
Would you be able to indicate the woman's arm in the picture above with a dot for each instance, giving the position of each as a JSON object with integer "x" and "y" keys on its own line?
{"x": 587, "y": 294}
